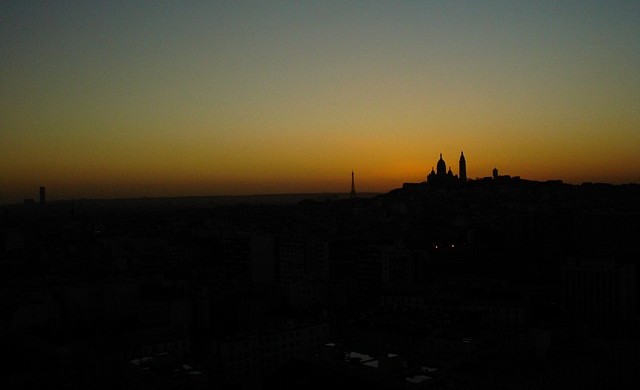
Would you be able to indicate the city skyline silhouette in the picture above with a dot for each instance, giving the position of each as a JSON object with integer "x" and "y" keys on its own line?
{"x": 444, "y": 173}
{"x": 136, "y": 100}
{"x": 252, "y": 195}
{"x": 442, "y": 283}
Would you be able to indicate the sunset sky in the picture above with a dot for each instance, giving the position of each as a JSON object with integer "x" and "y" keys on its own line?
{"x": 103, "y": 99}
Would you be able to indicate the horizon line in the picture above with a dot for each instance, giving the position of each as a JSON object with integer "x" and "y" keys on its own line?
{"x": 274, "y": 194}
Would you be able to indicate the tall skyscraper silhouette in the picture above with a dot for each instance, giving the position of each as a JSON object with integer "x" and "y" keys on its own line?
{"x": 463, "y": 167}
{"x": 43, "y": 197}
{"x": 353, "y": 186}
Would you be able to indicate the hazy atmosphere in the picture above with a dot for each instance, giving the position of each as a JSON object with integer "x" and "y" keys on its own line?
{"x": 155, "y": 98}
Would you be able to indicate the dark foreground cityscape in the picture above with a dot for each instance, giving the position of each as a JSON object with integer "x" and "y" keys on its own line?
{"x": 492, "y": 283}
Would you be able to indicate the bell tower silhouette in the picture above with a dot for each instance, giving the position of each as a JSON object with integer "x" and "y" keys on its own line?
{"x": 463, "y": 167}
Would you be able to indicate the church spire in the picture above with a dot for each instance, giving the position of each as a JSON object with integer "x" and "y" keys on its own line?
{"x": 441, "y": 167}
{"x": 463, "y": 167}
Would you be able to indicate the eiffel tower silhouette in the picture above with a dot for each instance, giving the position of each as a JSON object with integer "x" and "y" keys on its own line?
{"x": 353, "y": 186}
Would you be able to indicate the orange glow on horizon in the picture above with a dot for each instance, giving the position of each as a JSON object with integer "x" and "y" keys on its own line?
{"x": 245, "y": 98}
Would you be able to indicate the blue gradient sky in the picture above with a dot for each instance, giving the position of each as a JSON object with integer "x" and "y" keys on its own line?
{"x": 153, "y": 98}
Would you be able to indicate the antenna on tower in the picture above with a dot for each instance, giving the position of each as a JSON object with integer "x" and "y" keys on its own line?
{"x": 353, "y": 186}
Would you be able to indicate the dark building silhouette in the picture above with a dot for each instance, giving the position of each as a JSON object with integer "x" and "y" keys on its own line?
{"x": 463, "y": 167}
{"x": 442, "y": 167}
{"x": 443, "y": 177}
{"x": 43, "y": 198}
